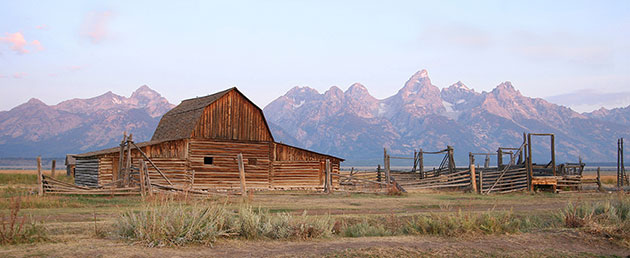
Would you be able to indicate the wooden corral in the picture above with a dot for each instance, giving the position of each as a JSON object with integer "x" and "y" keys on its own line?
{"x": 518, "y": 174}
{"x": 196, "y": 146}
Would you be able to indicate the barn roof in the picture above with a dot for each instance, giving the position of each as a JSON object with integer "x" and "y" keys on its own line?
{"x": 116, "y": 149}
{"x": 179, "y": 122}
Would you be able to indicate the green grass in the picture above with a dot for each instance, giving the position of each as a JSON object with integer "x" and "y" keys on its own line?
{"x": 12, "y": 179}
{"x": 30, "y": 200}
{"x": 28, "y": 179}
{"x": 366, "y": 229}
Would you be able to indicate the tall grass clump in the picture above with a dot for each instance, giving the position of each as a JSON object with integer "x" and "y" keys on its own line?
{"x": 176, "y": 224}
{"x": 15, "y": 229}
{"x": 258, "y": 223}
{"x": 610, "y": 218}
{"x": 366, "y": 229}
{"x": 171, "y": 224}
{"x": 461, "y": 223}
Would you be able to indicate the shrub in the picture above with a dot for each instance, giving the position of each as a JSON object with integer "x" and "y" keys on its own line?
{"x": 468, "y": 223}
{"x": 365, "y": 229}
{"x": 15, "y": 229}
{"x": 260, "y": 223}
{"x": 172, "y": 224}
{"x": 610, "y": 218}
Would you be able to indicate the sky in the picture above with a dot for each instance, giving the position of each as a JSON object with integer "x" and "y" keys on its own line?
{"x": 57, "y": 50}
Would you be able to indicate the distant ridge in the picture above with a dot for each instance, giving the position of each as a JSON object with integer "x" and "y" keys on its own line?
{"x": 79, "y": 125}
{"x": 355, "y": 125}
{"x": 350, "y": 124}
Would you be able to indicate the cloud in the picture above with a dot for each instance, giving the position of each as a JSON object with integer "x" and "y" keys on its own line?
{"x": 95, "y": 26}
{"x": 2, "y": 76}
{"x": 587, "y": 100}
{"x": 37, "y": 45}
{"x": 75, "y": 67}
{"x": 19, "y": 44}
{"x": 19, "y": 75}
{"x": 41, "y": 27}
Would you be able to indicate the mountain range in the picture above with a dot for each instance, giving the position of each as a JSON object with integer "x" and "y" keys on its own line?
{"x": 351, "y": 124}
{"x": 79, "y": 125}
{"x": 356, "y": 125}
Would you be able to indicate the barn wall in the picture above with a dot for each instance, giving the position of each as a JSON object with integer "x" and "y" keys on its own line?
{"x": 224, "y": 173}
{"x": 300, "y": 168}
{"x": 300, "y": 174}
{"x": 169, "y": 156}
{"x": 174, "y": 168}
{"x": 86, "y": 172}
{"x": 232, "y": 117}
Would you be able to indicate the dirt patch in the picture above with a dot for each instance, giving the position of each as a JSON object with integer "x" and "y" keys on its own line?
{"x": 558, "y": 243}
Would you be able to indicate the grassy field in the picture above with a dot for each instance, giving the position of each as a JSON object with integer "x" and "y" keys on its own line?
{"x": 306, "y": 224}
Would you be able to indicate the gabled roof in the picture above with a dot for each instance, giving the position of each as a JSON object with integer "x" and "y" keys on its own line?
{"x": 115, "y": 149}
{"x": 179, "y": 122}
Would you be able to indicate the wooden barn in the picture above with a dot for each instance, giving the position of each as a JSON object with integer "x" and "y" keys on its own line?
{"x": 196, "y": 145}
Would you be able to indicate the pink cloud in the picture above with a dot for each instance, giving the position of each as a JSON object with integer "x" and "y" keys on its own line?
{"x": 19, "y": 75}
{"x": 37, "y": 45}
{"x": 75, "y": 67}
{"x": 18, "y": 43}
{"x": 41, "y": 27}
{"x": 3, "y": 76}
{"x": 95, "y": 26}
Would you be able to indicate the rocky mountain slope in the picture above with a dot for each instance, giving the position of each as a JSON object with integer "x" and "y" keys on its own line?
{"x": 615, "y": 115}
{"x": 356, "y": 126}
{"x": 79, "y": 125}
{"x": 351, "y": 124}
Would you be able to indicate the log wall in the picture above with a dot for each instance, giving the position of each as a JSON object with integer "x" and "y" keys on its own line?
{"x": 223, "y": 172}
{"x": 86, "y": 172}
{"x": 232, "y": 117}
{"x": 267, "y": 165}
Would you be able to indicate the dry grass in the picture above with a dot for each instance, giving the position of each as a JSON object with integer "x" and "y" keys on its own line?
{"x": 610, "y": 218}
{"x": 15, "y": 229}
{"x": 45, "y": 171}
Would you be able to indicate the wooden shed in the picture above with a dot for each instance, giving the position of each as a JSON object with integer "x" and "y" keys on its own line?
{"x": 196, "y": 145}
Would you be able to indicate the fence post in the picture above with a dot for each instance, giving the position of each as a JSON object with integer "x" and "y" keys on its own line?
{"x": 599, "y": 181}
{"x": 127, "y": 176}
{"x": 121, "y": 158}
{"x": 451, "y": 159}
{"x": 553, "y": 154}
{"x": 378, "y": 173}
{"x": 148, "y": 179}
{"x": 241, "y": 171}
{"x": 143, "y": 167}
{"x": 52, "y": 169}
{"x": 329, "y": 177}
{"x": 473, "y": 182}
{"x": 499, "y": 158}
{"x": 415, "y": 161}
{"x": 480, "y": 190}
{"x": 387, "y": 168}
{"x": 40, "y": 181}
{"x": 421, "y": 163}
{"x": 530, "y": 169}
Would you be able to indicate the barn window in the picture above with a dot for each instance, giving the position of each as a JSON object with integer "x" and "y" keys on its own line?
{"x": 252, "y": 161}
{"x": 208, "y": 160}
